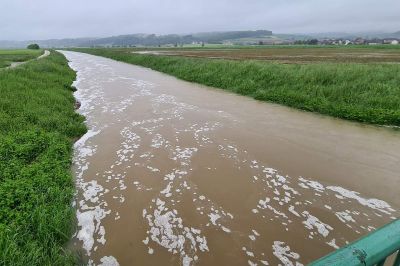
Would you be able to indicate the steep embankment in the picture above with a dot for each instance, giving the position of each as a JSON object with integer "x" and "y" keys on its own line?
{"x": 38, "y": 125}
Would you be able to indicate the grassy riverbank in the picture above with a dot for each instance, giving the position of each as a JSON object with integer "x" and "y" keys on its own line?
{"x": 21, "y": 55}
{"x": 38, "y": 125}
{"x": 364, "y": 92}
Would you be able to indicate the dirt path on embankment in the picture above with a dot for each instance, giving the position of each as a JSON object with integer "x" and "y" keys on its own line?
{"x": 15, "y": 64}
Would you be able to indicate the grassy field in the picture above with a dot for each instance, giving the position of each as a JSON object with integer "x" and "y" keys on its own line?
{"x": 9, "y": 56}
{"x": 290, "y": 54}
{"x": 38, "y": 125}
{"x": 364, "y": 92}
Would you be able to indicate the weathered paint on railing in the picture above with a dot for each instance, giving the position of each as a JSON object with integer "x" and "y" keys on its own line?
{"x": 372, "y": 249}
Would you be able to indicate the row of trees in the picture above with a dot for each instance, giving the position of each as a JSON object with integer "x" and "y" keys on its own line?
{"x": 309, "y": 42}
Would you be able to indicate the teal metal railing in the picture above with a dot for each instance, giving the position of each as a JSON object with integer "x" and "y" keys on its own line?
{"x": 372, "y": 249}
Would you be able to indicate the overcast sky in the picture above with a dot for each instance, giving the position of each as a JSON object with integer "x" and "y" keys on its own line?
{"x": 43, "y": 19}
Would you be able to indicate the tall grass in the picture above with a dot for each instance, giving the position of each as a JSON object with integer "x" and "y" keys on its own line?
{"x": 38, "y": 125}
{"x": 367, "y": 93}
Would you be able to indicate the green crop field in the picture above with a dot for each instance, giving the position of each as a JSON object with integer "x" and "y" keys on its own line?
{"x": 355, "y": 89}
{"x": 38, "y": 125}
{"x": 9, "y": 56}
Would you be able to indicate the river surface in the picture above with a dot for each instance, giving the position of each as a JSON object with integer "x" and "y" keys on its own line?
{"x": 174, "y": 173}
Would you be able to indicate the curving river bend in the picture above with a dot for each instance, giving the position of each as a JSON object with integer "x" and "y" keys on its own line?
{"x": 174, "y": 173}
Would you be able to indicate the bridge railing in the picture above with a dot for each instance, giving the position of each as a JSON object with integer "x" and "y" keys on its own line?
{"x": 372, "y": 249}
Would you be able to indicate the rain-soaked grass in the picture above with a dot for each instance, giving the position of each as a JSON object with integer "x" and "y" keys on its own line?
{"x": 364, "y": 92}
{"x": 9, "y": 56}
{"x": 38, "y": 125}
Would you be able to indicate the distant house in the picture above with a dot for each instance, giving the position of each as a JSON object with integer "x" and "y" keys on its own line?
{"x": 391, "y": 41}
{"x": 347, "y": 42}
{"x": 375, "y": 41}
{"x": 359, "y": 41}
{"x": 387, "y": 41}
{"x": 328, "y": 42}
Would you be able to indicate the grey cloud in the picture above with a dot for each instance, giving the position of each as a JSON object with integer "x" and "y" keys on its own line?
{"x": 43, "y": 19}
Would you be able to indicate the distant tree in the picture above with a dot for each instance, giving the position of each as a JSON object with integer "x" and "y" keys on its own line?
{"x": 312, "y": 41}
{"x": 33, "y": 46}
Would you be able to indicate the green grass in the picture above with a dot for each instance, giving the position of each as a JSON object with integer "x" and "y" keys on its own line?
{"x": 9, "y": 56}
{"x": 38, "y": 125}
{"x": 367, "y": 93}
{"x": 269, "y": 46}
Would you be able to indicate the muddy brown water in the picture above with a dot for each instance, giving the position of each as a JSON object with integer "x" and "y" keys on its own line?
{"x": 174, "y": 173}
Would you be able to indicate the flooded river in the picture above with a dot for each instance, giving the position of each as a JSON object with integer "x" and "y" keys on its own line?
{"x": 174, "y": 173}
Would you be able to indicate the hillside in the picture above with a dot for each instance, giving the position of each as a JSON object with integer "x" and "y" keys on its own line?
{"x": 142, "y": 39}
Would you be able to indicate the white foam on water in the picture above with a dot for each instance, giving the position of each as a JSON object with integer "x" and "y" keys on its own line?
{"x": 168, "y": 231}
{"x": 344, "y": 217}
{"x": 313, "y": 222}
{"x": 249, "y": 253}
{"x": 214, "y": 217}
{"x": 282, "y": 251}
{"x": 151, "y": 251}
{"x": 313, "y": 184}
{"x": 167, "y": 190}
{"x": 91, "y": 191}
{"x": 375, "y": 204}
{"x": 108, "y": 261}
{"x": 332, "y": 243}
{"x": 89, "y": 223}
{"x": 153, "y": 169}
{"x": 251, "y": 263}
{"x": 79, "y": 144}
